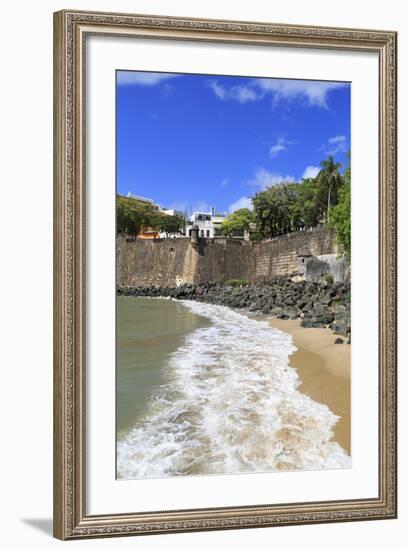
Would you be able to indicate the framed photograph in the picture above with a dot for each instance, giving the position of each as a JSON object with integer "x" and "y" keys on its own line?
{"x": 225, "y": 274}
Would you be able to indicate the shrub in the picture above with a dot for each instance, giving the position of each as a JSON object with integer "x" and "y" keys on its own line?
{"x": 237, "y": 282}
{"x": 256, "y": 236}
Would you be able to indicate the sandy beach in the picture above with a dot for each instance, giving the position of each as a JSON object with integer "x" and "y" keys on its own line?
{"x": 324, "y": 369}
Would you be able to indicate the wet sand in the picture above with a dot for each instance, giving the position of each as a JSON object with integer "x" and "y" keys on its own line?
{"x": 324, "y": 370}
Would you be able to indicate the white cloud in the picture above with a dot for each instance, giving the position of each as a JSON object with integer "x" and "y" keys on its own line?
{"x": 280, "y": 146}
{"x": 225, "y": 182}
{"x": 336, "y": 144}
{"x": 242, "y": 94}
{"x": 263, "y": 179}
{"x": 313, "y": 92}
{"x": 129, "y": 78}
{"x": 310, "y": 172}
{"x": 219, "y": 90}
{"x": 337, "y": 139}
{"x": 243, "y": 202}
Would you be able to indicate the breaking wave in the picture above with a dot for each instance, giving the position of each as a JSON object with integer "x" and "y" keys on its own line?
{"x": 230, "y": 404}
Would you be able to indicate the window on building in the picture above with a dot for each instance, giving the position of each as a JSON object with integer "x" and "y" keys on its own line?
{"x": 190, "y": 232}
{"x": 202, "y": 232}
{"x": 208, "y": 233}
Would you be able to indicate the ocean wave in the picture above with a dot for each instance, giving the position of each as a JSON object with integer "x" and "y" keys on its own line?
{"x": 230, "y": 404}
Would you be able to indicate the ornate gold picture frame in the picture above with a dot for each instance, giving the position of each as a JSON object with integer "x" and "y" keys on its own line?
{"x": 71, "y": 31}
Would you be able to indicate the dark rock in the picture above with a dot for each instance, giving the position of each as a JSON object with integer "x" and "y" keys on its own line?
{"x": 291, "y": 313}
{"x": 318, "y": 318}
{"x": 340, "y": 327}
{"x": 317, "y": 304}
{"x": 308, "y": 323}
{"x": 326, "y": 299}
{"x": 277, "y": 311}
{"x": 339, "y": 341}
{"x": 328, "y": 317}
{"x": 282, "y": 316}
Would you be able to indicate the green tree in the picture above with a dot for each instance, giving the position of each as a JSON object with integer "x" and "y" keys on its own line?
{"x": 329, "y": 180}
{"x": 239, "y": 221}
{"x": 169, "y": 224}
{"x": 131, "y": 215}
{"x": 309, "y": 205}
{"x": 277, "y": 210}
{"x": 340, "y": 218}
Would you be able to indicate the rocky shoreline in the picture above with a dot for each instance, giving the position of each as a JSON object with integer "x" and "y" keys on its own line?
{"x": 318, "y": 305}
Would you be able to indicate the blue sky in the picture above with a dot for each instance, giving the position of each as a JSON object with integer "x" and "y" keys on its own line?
{"x": 192, "y": 141}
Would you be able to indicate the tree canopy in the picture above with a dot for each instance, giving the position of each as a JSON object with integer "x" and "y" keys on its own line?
{"x": 290, "y": 206}
{"x": 310, "y": 205}
{"x": 329, "y": 181}
{"x": 133, "y": 215}
{"x": 277, "y": 210}
{"x": 340, "y": 215}
{"x": 167, "y": 223}
{"x": 237, "y": 222}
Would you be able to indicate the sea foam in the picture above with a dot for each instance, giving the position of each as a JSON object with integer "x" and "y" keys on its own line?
{"x": 230, "y": 404}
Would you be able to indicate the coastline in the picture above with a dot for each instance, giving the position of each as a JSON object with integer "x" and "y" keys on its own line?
{"x": 324, "y": 371}
{"x": 239, "y": 416}
{"x": 323, "y": 366}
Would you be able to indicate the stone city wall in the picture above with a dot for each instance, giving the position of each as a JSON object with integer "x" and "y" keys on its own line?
{"x": 172, "y": 262}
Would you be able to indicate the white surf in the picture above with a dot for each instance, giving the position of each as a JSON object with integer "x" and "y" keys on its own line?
{"x": 230, "y": 404}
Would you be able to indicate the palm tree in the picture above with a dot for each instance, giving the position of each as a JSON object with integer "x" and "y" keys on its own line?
{"x": 329, "y": 178}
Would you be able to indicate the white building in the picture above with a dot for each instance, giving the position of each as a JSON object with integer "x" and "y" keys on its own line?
{"x": 209, "y": 223}
{"x": 153, "y": 204}
{"x": 165, "y": 211}
{"x": 144, "y": 200}
{"x": 217, "y": 219}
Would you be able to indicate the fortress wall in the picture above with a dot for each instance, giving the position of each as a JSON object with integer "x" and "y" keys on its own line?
{"x": 143, "y": 262}
{"x": 279, "y": 256}
{"x": 170, "y": 262}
